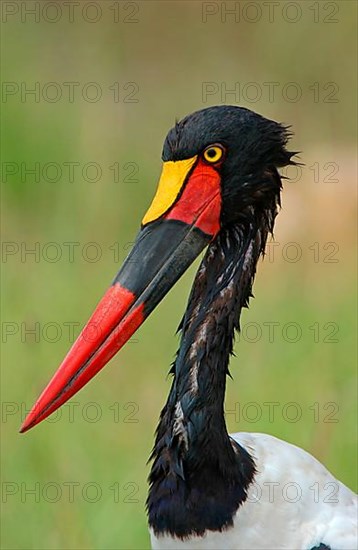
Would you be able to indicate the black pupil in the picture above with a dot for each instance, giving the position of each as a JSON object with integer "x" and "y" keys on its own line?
{"x": 211, "y": 153}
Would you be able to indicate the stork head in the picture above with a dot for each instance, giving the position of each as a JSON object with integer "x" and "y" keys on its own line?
{"x": 219, "y": 167}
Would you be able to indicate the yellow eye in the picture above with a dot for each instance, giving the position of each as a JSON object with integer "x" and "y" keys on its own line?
{"x": 213, "y": 153}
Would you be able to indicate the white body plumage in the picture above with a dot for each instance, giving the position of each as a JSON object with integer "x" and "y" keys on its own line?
{"x": 294, "y": 503}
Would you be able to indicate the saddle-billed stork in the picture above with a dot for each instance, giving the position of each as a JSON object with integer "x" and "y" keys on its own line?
{"x": 220, "y": 188}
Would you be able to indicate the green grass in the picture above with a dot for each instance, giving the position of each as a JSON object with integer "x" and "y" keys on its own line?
{"x": 169, "y": 53}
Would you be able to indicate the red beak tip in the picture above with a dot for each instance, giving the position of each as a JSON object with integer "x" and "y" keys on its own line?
{"x": 26, "y": 426}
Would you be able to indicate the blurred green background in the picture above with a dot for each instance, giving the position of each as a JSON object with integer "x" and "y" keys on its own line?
{"x": 151, "y": 62}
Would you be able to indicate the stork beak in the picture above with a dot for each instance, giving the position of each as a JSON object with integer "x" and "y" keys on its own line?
{"x": 165, "y": 247}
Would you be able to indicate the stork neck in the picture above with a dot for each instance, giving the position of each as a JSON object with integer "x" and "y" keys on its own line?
{"x": 222, "y": 287}
{"x": 193, "y": 453}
